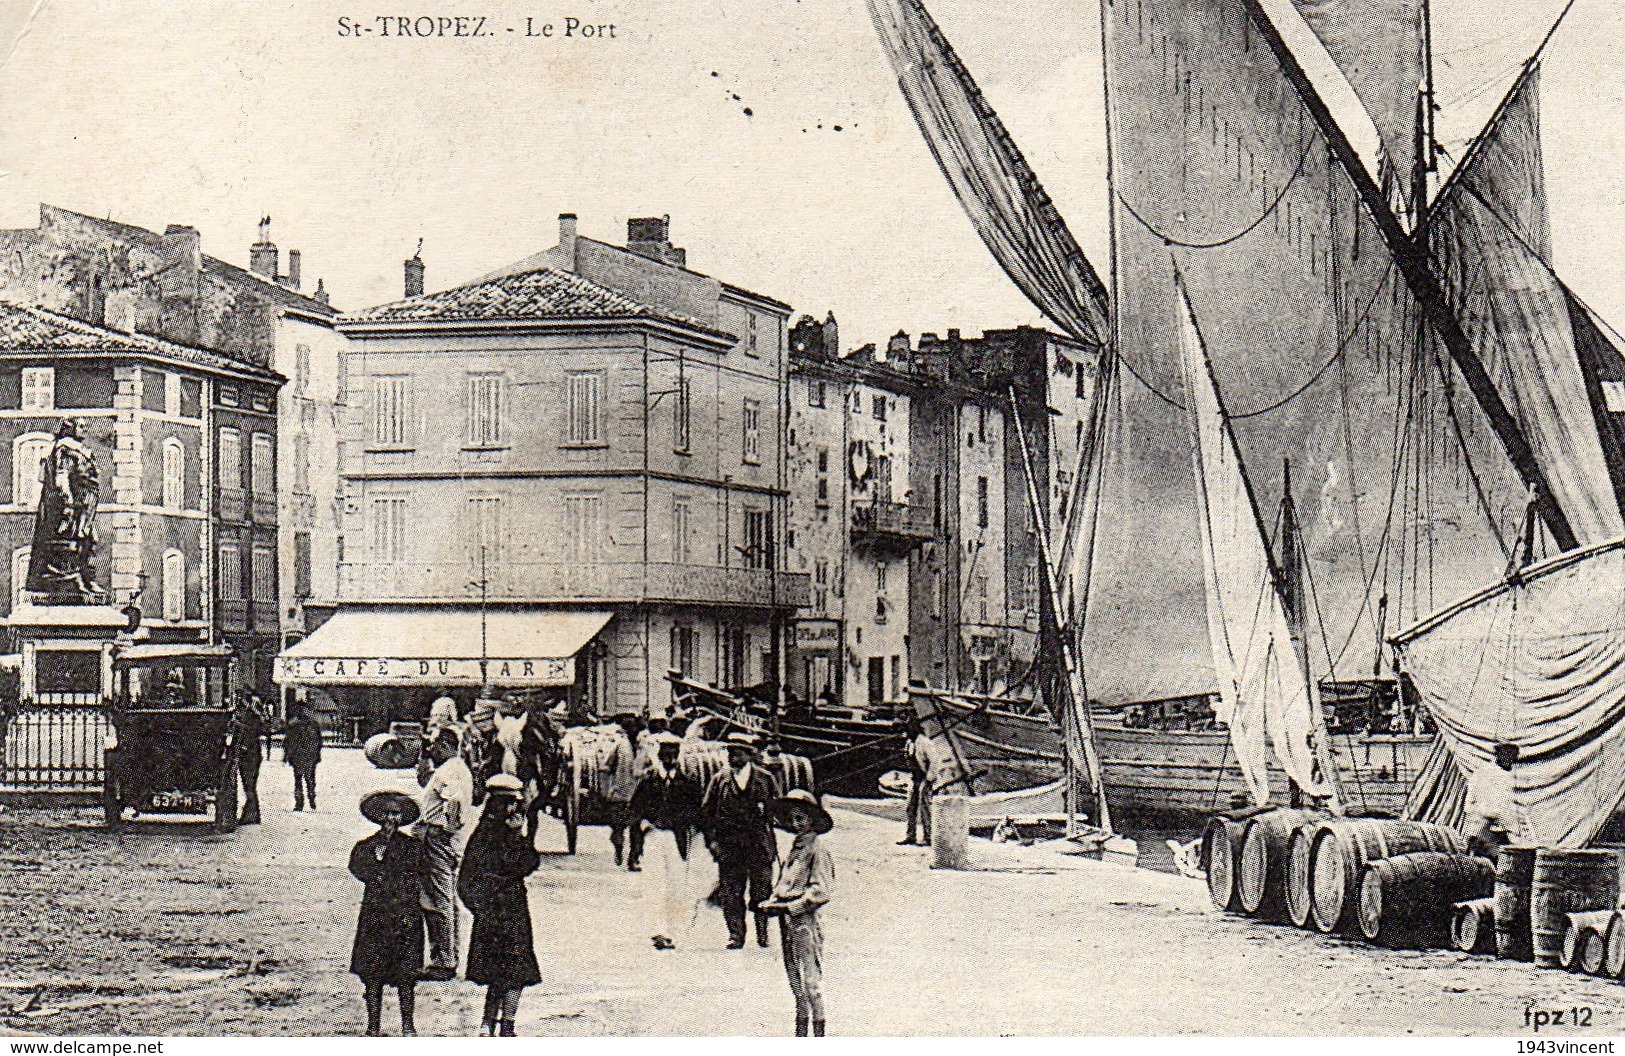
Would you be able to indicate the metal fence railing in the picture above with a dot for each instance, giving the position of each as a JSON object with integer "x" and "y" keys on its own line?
{"x": 54, "y": 746}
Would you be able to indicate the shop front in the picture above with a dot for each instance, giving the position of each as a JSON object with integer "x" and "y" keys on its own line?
{"x": 369, "y": 666}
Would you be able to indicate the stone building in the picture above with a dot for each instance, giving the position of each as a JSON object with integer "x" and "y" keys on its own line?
{"x": 909, "y": 504}
{"x": 122, "y": 279}
{"x": 566, "y": 475}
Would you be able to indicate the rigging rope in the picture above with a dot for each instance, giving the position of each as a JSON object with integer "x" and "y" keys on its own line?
{"x": 1169, "y": 240}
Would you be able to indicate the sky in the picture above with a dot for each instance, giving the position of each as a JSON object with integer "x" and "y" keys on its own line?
{"x": 214, "y": 114}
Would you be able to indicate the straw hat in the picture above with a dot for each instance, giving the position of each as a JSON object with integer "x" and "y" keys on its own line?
{"x": 801, "y": 799}
{"x": 504, "y": 785}
{"x": 374, "y": 804}
{"x": 740, "y": 740}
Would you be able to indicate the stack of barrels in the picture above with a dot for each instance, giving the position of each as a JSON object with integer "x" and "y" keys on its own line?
{"x": 1560, "y": 908}
{"x": 1396, "y": 883}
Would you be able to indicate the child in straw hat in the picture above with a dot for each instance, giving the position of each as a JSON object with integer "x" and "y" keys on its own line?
{"x": 388, "y": 947}
{"x": 806, "y": 878}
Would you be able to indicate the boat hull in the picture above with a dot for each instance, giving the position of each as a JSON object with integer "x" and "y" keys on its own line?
{"x": 1181, "y": 773}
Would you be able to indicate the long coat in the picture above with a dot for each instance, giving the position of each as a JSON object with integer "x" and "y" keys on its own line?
{"x": 740, "y": 823}
{"x": 389, "y": 934}
{"x": 302, "y": 742}
{"x": 502, "y": 949}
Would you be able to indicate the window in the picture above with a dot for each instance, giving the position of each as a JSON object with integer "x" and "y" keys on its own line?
{"x": 684, "y": 647}
{"x": 19, "y": 574}
{"x": 823, "y": 476}
{"x": 680, "y": 517}
{"x": 815, "y": 394}
{"x": 263, "y": 465}
{"x": 172, "y": 395}
{"x": 301, "y": 365}
{"x": 484, "y": 427}
{"x": 753, "y": 432}
{"x": 264, "y": 574}
{"x": 586, "y": 408}
{"x": 880, "y": 609}
{"x": 174, "y": 586}
{"x": 391, "y": 409}
{"x": 750, "y": 334}
{"x": 231, "y": 572}
{"x": 301, "y": 565}
{"x": 735, "y": 647}
{"x": 39, "y": 388}
{"x": 484, "y": 530}
{"x": 981, "y": 425}
{"x": 389, "y": 530}
{"x": 879, "y": 407}
{"x": 880, "y": 575}
{"x": 228, "y": 395}
{"x": 896, "y": 677}
{"x": 174, "y": 487}
{"x": 583, "y": 529}
{"x": 758, "y": 539}
{"x": 681, "y": 414}
{"x": 301, "y": 464}
{"x": 981, "y": 597}
{"x": 28, "y": 454}
{"x": 981, "y": 502}
{"x": 231, "y": 458}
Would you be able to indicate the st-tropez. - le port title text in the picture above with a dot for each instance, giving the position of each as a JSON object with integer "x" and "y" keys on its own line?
{"x": 474, "y": 27}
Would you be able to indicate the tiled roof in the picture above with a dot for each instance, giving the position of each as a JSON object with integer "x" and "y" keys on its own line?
{"x": 25, "y": 329}
{"x": 544, "y": 293}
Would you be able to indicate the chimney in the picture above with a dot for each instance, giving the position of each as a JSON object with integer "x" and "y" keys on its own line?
{"x": 567, "y": 239}
{"x": 897, "y": 347}
{"x": 414, "y": 273}
{"x": 832, "y": 337}
{"x": 321, "y": 293}
{"x": 181, "y": 248}
{"x": 650, "y": 236}
{"x": 293, "y": 270}
{"x": 262, "y": 255}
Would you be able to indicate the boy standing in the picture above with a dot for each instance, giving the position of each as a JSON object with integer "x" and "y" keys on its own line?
{"x": 806, "y": 878}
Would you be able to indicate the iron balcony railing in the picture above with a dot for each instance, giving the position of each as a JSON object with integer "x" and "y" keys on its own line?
{"x": 894, "y": 521}
{"x": 607, "y": 581}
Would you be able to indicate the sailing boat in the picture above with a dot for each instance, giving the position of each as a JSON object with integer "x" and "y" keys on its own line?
{"x": 1286, "y": 184}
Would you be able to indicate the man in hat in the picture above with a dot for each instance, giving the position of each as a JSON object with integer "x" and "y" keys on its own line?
{"x": 448, "y": 804}
{"x": 806, "y": 878}
{"x": 737, "y": 817}
{"x": 302, "y": 750}
{"x": 617, "y": 781}
{"x": 248, "y": 747}
{"x": 669, "y": 801}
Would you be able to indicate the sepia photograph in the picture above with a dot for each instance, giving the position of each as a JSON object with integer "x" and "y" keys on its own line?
{"x": 866, "y": 518}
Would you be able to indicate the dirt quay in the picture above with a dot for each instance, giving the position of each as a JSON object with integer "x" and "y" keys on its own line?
{"x": 167, "y": 928}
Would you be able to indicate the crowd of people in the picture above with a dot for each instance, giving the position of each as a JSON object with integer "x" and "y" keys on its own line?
{"x": 694, "y": 846}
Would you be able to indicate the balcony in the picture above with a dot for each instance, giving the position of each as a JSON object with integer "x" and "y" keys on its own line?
{"x": 265, "y": 615}
{"x": 602, "y": 582}
{"x": 233, "y": 615}
{"x": 891, "y": 524}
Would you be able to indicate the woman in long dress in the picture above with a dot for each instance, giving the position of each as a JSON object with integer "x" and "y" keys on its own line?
{"x": 498, "y": 858}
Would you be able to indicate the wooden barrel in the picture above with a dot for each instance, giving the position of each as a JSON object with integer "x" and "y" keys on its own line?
{"x": 1409, "y": 899}
{"x": 1221, "y": 853}
{"x": 1265, "y": 845}
{"x": 1343, "y": 847}
{"x": 1514, "y": 873}
{"x": 1583, "y": 940}
{"x": 1567, "y": 881}
{"x": 1298, "y": 896}
{"x": 1613, "y": 954}
{"x": 1472, "y": 928}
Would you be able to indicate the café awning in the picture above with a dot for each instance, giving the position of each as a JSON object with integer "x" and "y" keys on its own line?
{"x": 441, "y": 646}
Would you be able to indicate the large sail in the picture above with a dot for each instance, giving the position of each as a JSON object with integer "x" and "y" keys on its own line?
{"x": 1377, "y": 44}
{"x": 993, "y": 182}
{"x": 1538, "y": 662}
{"x": 1264, "y": 696}
{"x": 1489, "y": 241}
{"x": 1406, "y": 496}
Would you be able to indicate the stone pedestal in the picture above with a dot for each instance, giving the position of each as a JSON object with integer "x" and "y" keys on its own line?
{"x": 71, "y": 646}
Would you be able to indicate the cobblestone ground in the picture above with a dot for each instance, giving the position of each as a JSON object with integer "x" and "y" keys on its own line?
{"x": 168, "y": 928}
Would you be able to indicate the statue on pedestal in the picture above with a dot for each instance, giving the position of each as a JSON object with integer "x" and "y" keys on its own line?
{"x": 59, "y": 565}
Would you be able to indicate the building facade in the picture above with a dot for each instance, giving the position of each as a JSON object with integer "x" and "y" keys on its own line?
{"x": 149, "y": 410}
{"x": 910, "y": 510}
{"x": 125, "y": 280}
{"x": 577, "y": 462}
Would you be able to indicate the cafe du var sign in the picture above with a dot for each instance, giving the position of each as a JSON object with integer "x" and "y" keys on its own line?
{"x": 402, "y": 671}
